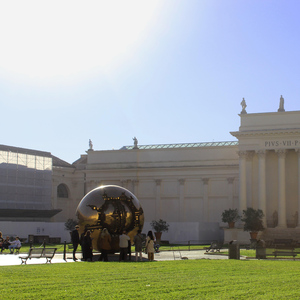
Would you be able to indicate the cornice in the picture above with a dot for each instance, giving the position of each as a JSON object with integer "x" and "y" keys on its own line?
{"x": 289, "y": 131}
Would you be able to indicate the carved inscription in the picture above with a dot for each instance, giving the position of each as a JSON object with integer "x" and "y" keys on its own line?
{"x": 282, "y": 144}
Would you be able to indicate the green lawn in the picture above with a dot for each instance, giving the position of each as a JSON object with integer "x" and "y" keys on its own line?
{"x": 188, "y": 279}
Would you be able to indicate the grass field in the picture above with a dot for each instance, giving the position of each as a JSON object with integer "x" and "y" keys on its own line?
{"x": 188, "y": 279}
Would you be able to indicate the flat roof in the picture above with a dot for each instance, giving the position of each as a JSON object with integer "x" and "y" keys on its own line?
{"x": 183, "y": 145}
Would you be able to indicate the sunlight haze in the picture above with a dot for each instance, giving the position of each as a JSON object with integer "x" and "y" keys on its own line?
{"x": 166, "y": 72}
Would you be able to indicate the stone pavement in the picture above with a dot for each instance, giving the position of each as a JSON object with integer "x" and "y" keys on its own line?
{"x": 13, "y": 259}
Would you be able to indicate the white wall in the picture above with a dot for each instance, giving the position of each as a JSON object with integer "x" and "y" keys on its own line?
{"x": 195, "y": 232}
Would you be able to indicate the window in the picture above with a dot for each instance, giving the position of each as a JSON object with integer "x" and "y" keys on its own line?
{"x": 62, "y": 191}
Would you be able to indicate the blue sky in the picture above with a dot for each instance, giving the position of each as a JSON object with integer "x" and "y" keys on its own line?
{"x": 163, "y": 71}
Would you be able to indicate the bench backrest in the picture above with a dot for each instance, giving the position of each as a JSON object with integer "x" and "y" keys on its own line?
{"x": 35, "y": 252}
{"x": 49, "y": 252}
{"x": 283, "y": 241}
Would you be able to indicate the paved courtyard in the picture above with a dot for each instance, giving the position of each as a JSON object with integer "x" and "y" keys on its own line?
{"x": 13, "y": 259}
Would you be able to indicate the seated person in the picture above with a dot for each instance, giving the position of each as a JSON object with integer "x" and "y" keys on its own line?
{"x": 5, "y": 244}
{"x": 14, "y": 244}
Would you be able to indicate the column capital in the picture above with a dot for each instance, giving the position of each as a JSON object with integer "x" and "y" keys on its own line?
{"x": 246, "y": 154}
{"x": 261, "y": 153}
{"x": 230, "y": 180}
{"x": 242, "y": 154}
{"x": 181, "y": 181}
{"x": 205, "y": 180}
{"x": 281, "y": 152}
{"x": 158, "y": 181}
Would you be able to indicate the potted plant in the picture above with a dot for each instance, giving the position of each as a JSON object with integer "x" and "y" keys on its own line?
{"x": 230, "y": 216}
{"x": 159, "y": 227}
{"x": 253, "y": 219}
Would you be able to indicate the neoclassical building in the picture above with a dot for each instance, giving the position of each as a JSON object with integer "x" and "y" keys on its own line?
{"x": 188, "y": 185}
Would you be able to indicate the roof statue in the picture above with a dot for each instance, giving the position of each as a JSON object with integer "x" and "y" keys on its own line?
{"x": 244, "y": 105}
{"x": 135, "y": 142}
{"x": 281, "y": 104}
{"x": 90, "y": 145}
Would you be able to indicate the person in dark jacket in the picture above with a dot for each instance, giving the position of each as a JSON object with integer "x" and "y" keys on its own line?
{"x": 87, "y": 247}
{"x": 75, "y": 240}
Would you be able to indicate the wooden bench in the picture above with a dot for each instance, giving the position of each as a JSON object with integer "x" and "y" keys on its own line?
{"x": 16, "y": 250}
{"x": 285, "y": 252}
{"x": 281, "y": 247}
{"x": 284, "y": 247}
{"x": 47, "y": 253}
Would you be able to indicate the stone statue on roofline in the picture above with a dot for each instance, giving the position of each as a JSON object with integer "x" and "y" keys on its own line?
{"x": 281, "y": 104}
{"x": 244, "y": 105}
{"x": 90, "y": 145}
{"x": 135, "y": 143}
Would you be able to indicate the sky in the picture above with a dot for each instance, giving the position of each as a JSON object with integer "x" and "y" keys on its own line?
{"x": 165, "y": 72}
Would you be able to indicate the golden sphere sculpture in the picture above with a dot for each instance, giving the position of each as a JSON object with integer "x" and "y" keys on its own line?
{"x": 112, "y": 207}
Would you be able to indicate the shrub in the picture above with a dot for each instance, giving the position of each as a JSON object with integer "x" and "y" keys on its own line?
{"x": 253, "y": 219}
{"x": 230, "y": 215}
{"x": 160, "y": 225}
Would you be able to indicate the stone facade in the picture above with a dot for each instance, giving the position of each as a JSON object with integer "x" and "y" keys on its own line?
{"x": 190, "y": 185}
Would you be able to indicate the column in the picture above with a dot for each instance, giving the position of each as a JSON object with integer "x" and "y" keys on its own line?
{"x": 281, "y": 189}
{"x": 262, "y": 194}
{"x": 230, "y": 191}
{"x": 242, "y": 182}
{"x": 298, "y": 151}
{"x": 181, "y": 200}
{"x": 249, "y": 181}
{"x": 157, "y": 200}
{"x": 135, "y": 187}
{"x": 205, "y": 200}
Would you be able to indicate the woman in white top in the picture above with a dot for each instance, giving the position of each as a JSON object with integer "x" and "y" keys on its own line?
{"x": 150, "y": 245}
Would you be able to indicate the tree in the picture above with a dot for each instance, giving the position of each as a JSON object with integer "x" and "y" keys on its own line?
{"x": 70, "y": 224}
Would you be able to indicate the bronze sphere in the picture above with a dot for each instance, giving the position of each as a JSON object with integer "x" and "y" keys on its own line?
{"x": 112, "y": 207}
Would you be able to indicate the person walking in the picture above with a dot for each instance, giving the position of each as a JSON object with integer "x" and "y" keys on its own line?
{"x": 105, "y": 241}
{"x": 138, "y": 244}
{"x": 123, "y": 243}
{"x": 150, "y": 245}
{"x": 75, "y": 240}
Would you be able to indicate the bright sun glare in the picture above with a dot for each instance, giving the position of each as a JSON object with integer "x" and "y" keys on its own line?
{"x": 54, "y": 41}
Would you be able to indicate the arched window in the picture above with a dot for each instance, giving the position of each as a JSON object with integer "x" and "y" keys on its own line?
{"x": 62, "y": 191}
